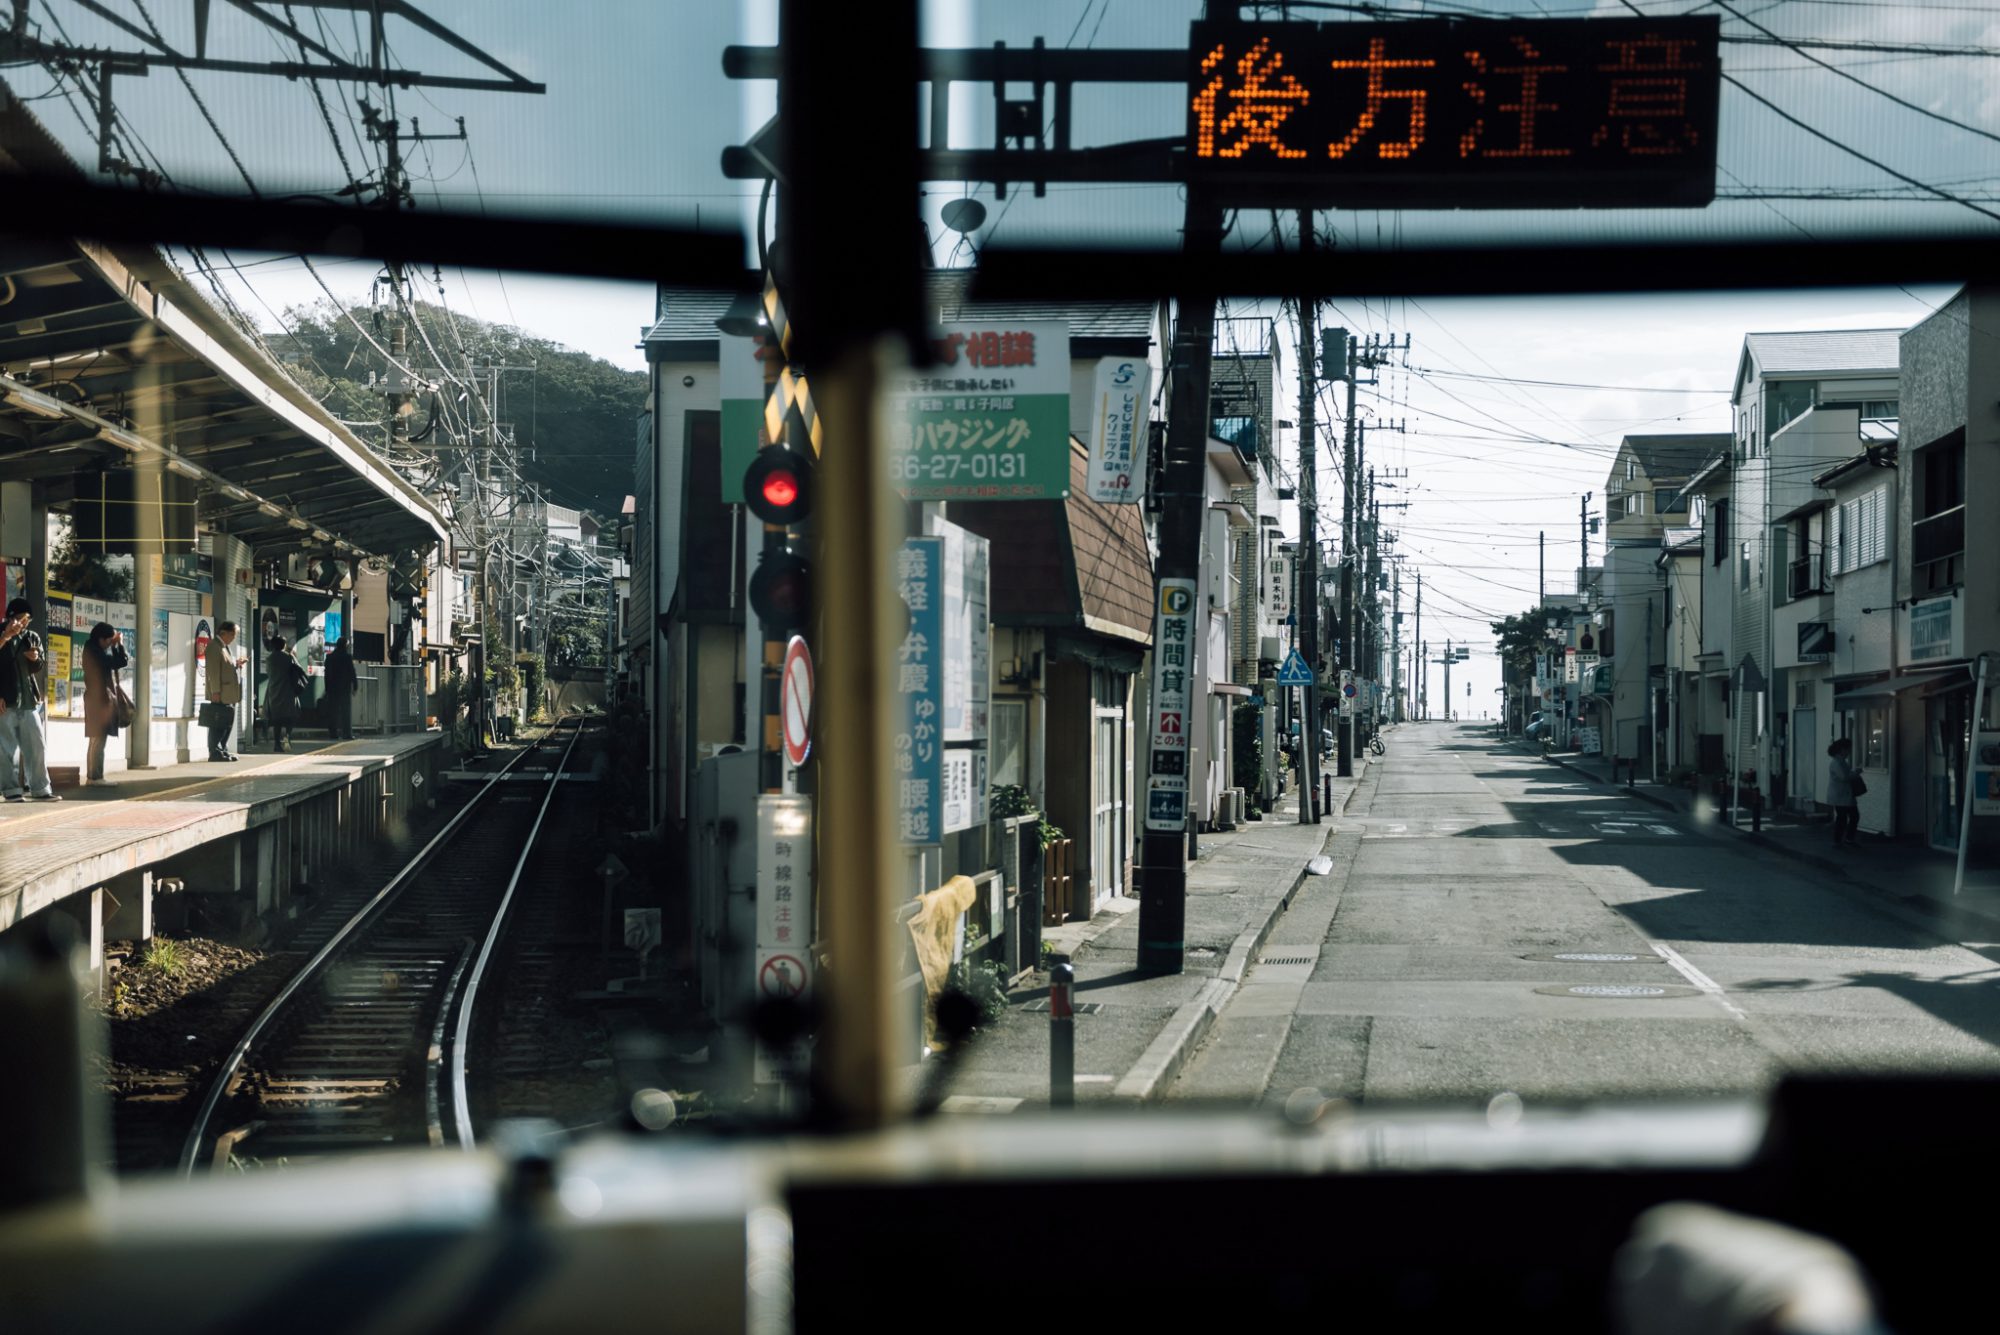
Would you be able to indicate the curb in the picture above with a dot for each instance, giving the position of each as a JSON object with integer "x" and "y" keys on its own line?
{"x": 1168, "y": 1052}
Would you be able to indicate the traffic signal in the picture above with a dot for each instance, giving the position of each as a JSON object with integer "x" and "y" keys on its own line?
{"x": 778, "y": 489}
{"x": 781, "y": 591}
{"x": 778, "y": 486}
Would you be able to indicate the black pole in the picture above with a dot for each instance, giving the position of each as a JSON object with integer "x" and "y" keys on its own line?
{"x": 1062, "y": 1037}
{"x": 1170, "y": 788}
{"x": 1310, "y": 806}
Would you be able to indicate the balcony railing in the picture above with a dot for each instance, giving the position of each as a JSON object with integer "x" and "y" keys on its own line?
{"x": 1809, "y": 575}
{"x": 1939, "y": 536}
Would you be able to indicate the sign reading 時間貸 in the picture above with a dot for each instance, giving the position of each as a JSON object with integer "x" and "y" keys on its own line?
{"x": 990, "y": 420}
{"x": 1448, "y": 113}
{"x": 1173, "y": 706}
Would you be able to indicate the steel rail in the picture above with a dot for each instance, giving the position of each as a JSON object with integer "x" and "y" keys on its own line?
{"x": 468, "y": 998}
{"x": 311, "y": 970}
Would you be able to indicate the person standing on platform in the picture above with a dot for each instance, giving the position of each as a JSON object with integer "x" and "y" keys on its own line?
{"x": 341, "y": 685}
{"x": 23, "y": 740}
{"x": 284, "y": 693}
{"x": 224, "y": 684}
{"x": 104, "y": 657}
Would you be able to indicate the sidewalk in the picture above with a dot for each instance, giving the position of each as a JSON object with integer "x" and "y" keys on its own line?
{"x": 1907, "y": 873}
{"x": 1133, "y": 1030}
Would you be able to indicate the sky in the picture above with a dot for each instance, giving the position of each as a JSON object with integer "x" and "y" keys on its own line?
{"x": 637, "y": 113}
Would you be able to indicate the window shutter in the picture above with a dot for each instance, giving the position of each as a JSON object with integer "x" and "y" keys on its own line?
{"x": 1878, "y": 527}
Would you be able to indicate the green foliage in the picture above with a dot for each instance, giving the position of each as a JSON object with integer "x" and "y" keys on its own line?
{"x": 985, "y": 982}
{"x": 86, "y": 574}
{"x": 576, "y": 412}
{"x": 1521, "y": 637}
{"x": 163, "y": 956}
{"x": 1010, "y": 799}
{"x": 1051, "y": 834}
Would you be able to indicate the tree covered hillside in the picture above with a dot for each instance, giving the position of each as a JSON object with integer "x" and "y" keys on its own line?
{"x": 575, "y": 412}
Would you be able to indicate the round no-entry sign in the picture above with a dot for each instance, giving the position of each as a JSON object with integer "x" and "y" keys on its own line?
{"x": 795, "y": 693}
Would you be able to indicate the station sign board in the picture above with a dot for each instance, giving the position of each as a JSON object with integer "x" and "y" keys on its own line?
{"x": 1456, "y": 113}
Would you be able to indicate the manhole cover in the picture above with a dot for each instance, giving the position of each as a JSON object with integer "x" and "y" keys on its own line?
{"x": 1617, "y": 991}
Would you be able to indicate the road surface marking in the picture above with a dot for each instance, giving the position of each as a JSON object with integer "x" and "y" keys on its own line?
{"x": 1698, "y": 978}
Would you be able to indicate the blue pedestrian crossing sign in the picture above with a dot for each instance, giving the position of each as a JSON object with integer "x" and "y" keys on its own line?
{"x": 1295, "y": 672}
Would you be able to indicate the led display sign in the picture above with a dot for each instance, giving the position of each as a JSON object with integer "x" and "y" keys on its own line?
{"x": 1450, "y": 113}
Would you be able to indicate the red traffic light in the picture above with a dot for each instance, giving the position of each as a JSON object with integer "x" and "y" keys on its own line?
{"x": 781, "y": 489}
{"x": 778, "y": 486}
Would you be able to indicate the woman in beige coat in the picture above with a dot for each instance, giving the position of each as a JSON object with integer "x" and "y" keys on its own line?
{"x": 103, "y": 655}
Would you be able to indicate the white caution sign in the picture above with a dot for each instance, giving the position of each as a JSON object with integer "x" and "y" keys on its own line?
{"x": 1173, "y": 706}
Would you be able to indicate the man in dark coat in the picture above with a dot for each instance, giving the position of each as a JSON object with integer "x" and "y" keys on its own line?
{"x": 341, "y": 685}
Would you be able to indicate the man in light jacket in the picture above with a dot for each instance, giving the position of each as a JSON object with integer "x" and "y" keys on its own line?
{"x": 224, "y": 684}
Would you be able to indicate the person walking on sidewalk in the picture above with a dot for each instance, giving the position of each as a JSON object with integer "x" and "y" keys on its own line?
{"x": 104, "y": 657}
{"x": 284, "y": 693}
{"x": 1843, "y": 790}
{"x": 341, "y": 685}
{"x": 223, "y": 670}
{"x": 23, "y": 745}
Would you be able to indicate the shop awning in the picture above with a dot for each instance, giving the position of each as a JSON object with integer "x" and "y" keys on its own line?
{"x": 1879, "y": 691}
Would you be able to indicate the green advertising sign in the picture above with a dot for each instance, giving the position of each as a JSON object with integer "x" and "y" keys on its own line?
{"x": 742, "y": 412}
{"x": 989, "y": 421}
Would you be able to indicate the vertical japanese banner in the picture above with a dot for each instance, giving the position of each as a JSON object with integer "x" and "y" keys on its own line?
{"x": 919, "y": 743}
{"x": 1118, "y": 415}
{"x": 1172, "y": 707}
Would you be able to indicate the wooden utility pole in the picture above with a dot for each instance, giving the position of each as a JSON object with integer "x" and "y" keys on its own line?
{"x": 1170, "y": 797}
{"x": 1308, "y": 603}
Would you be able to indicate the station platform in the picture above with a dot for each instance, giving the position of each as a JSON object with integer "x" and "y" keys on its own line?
{"x": 254, "y": 827}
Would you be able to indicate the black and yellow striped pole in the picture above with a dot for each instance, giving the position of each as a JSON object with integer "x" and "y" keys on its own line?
{"x": 778, "y": 490}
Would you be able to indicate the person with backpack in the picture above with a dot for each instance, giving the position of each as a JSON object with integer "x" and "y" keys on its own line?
{"x": 23, "y": 722}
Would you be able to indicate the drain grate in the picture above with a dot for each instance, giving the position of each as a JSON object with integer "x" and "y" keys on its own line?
{"x": 1287, "y": 959}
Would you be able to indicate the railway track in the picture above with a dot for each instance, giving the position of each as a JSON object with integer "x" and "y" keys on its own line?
{"x": 355, "y": 1051}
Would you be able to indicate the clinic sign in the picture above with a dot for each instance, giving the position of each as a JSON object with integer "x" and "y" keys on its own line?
{"x": 1173, "y": 707}
{"x": 918, "y": 755}
{"x": 1120, "y": 409}
{"x": 1933, "y": 631}
{"x": 989, "y": 419}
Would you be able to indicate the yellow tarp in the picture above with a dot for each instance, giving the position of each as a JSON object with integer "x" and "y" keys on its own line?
{"x": 933, "y": 932}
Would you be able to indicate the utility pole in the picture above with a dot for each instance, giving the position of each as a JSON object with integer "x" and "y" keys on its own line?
{"x": 1424, "y": 674}
{"x": 1183, "y": 510}
{"x": 1396, "y": 641}
{"x": 1309, "y": 813}
{"x": 1583, "y": 540}
{"x": 1542, "y": 569}
{"x": 1347, "y": 531}
{"x": 1447, "y": 680}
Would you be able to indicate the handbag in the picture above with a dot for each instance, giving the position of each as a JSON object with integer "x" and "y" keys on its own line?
{"x": 209, "y": 715}
{"x": 1857, "y": 785}
{"x": 122, "y": 708}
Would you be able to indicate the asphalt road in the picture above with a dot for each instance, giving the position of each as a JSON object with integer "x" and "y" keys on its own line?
{"x": 1428, "y": 968}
